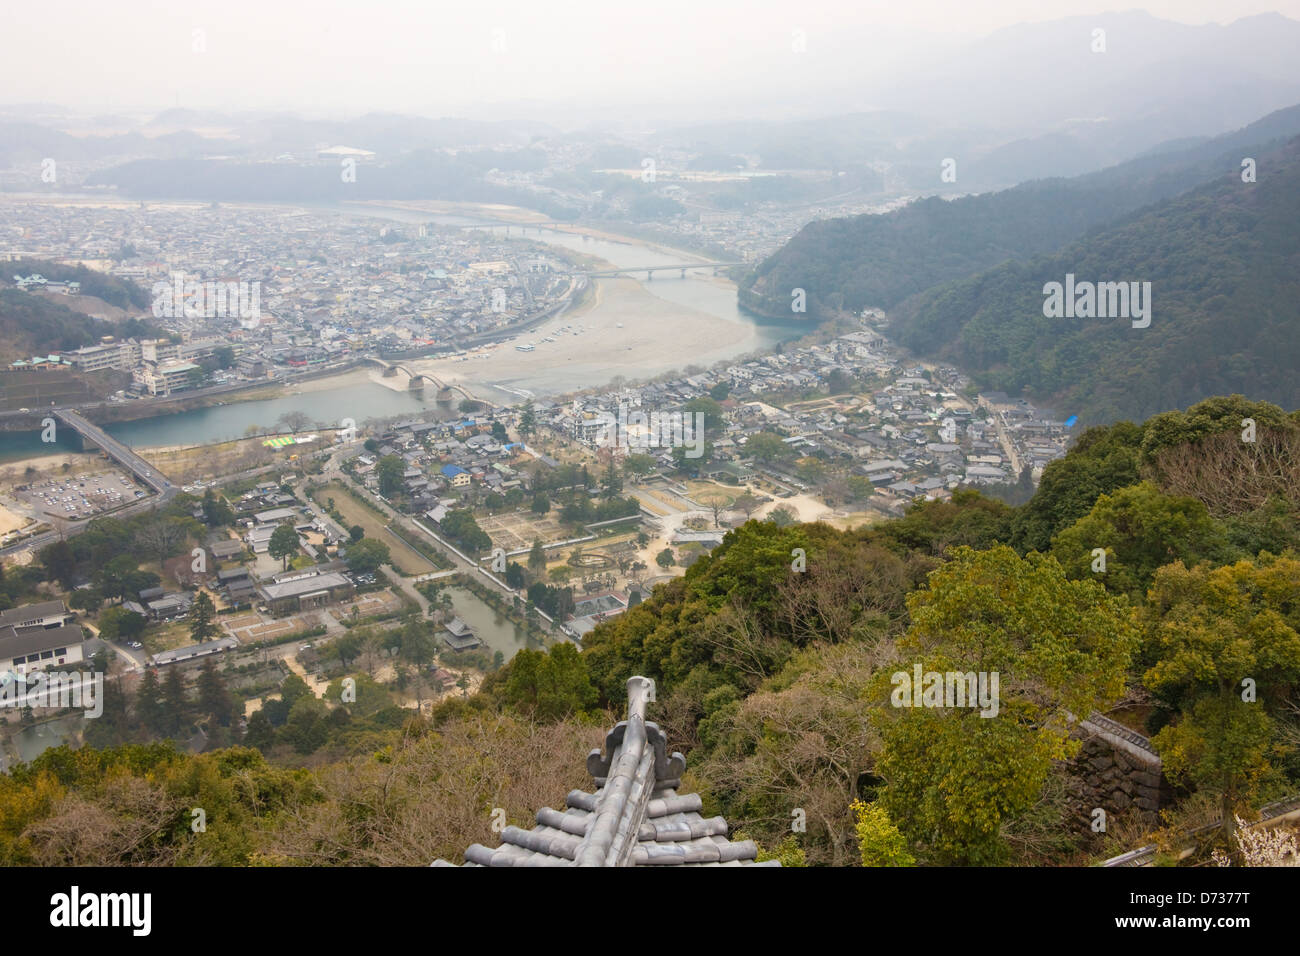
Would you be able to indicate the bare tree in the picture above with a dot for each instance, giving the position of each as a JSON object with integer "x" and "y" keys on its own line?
{"x": 716, "y": 502}
{"x": 160, "y": 536}
{"x": 294, "y": 421}
{"x": 1230, "y": 476}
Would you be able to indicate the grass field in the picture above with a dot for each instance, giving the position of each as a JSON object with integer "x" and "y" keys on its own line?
{"x": 405, "y": 559}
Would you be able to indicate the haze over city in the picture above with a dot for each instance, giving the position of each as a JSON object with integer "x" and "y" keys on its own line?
{"x": 568, "y": 63}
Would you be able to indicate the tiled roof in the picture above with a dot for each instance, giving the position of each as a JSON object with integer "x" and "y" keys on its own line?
{"x": 635, "y": 817}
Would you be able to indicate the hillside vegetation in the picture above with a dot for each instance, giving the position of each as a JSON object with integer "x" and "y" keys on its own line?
{"x": 778, "y": 684}
{"x": 32, "y": 324}
{"x": 1222, "y": 263}
{"x": 877, "y": 261}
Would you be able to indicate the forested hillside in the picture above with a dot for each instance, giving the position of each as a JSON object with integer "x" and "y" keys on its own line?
{"x": 878, "y": 261}
{"x": 33, "y": 324}
{"x": 777, "y": 683}
{"x": 1222, "y": 263}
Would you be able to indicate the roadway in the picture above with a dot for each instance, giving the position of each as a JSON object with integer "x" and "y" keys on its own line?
{"x": 164, "y": 490}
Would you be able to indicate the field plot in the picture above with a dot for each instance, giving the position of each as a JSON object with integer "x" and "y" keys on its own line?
{"x": 661, "y": 501}
{"x": 251, "y": 628}
{"x": 519, "y": 530}
{"x": 367, "y": 605}
{"x": 405, "y": 558}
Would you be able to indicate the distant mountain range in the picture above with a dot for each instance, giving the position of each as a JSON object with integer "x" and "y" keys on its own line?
{"x": 883, "y": 108}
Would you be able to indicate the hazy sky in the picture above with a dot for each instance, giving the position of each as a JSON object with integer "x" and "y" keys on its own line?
{"x": 334, "y": 58}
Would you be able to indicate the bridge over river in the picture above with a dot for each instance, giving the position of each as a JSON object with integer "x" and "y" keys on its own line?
{"x": 650, "y": 271}
{"x": 417, "y": 379}
{"x": 92, "y": 435}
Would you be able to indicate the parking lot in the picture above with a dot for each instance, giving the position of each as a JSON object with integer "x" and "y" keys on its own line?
{"x": 82, "y": 496}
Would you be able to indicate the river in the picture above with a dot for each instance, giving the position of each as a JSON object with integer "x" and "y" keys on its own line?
{"x": 636, "y": 329}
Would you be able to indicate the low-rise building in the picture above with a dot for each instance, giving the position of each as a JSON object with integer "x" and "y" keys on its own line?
{"x": 303, "y": 592}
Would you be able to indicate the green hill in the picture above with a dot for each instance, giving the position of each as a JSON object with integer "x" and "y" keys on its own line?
{"x": 37, "y": 325}
{"x": 879, "y": 261}
{"x": 1222, "y": 263}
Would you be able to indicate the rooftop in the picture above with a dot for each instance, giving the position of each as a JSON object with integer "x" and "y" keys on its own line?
{"x": 635, "y": 817}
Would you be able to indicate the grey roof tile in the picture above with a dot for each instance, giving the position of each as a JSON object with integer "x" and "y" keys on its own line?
{"x": 634, "y": 818}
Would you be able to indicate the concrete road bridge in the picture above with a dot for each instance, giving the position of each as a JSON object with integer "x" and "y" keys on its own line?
{"x": 92, "y": 434}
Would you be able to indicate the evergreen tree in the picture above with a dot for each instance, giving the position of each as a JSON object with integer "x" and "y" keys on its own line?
{"x": 176, "y": 706}
{"x": 203, "y": 626}
{"x": 260, "y": 733}
{"x": 214, "y": 697}
{"x": 283, "y": 543}
{"x": 148, "y": 703}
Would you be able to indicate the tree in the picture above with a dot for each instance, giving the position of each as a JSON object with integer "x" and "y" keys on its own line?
{"x": 537, "y": 558}
{"x": 638, "y": 465}
{"x": 216, "y": 511}
{"x": 294, "y": 421}
{"x": 1102, "y": 460}
{"x": 391, "y": 470}
{"x": 747, "y": 504}
{"x": 260, "y": 733}
{"x": 541, "y": 503}
{"x": 356, "y": 533}
{"x": 767, "y": 447}
{"x": 368, "y": 555}
{"x": 60, "y": 562}
{"x": 119, "y": 624}
{"x": 112, "y": 576}
{"x": 201, "y": 618}
{"x": 720, "y": 391}
{"x": 549, "y": 685}
{"x": 499, "y": 432}
{"x": 782, "y": 516}
{"x": 160, "y": 537}
{"x": 527, "y": 419}
{"x": 305, "y": 727}
{"x": 955, "y": 774}
{"x": 348, "y": 647}
{"x": 463, "y": 529}
{"x": 283, "y": 543}
{"x": 839, "y": 381}
{"x": 811, "y": 471}
{"x": 214, "y": 698}
{"x": 1226, "y": 646}
{"x": 175, "y": 703}
{"x": 612, "y": 482}
{"x": 86, "y": 599}
{"x": 717, "y": 503}
{"x": 1140, "y": 530}
{"x": 879, "y": 841}
{"x": 665, "y": 558}
{"x": 148, "y": 703}
{"x": 709, "y": 408}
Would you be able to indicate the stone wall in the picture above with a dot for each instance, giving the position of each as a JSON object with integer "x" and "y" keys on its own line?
{"x": 1117, "y": 770}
